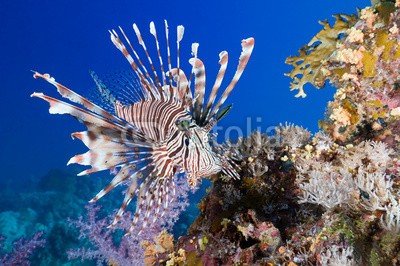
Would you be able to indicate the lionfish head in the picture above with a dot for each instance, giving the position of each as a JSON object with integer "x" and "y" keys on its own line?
{"x": 152, "y": 126}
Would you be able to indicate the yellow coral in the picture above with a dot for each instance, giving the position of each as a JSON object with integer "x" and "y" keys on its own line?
{"x": 369, "y": 60}
{"x": 308, "y": 66}
{"x": 382, "y": 40}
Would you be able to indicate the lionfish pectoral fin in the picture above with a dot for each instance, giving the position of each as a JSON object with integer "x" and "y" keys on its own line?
{"x": 76, "y": 98}
{"x": 123, "y": 175}
{"x": 153, "y": 196}
{"x": 61, "y": 107}
{"x": 129, "y": 195}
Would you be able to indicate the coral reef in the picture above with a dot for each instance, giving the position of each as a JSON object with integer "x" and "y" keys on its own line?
{"x": 328, "y": 199}
{"x": 361, "y": 59}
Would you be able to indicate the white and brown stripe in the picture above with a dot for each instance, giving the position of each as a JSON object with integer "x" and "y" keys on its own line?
{"x": 143, "y": 139}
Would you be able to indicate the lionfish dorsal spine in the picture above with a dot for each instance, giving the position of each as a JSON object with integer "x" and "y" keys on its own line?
{"x": 154, "y": 33}
{"x": 179, "y": 35}
{"x": 223, "y": 61}
{"x": 120, "y": 46}
{"x": 168, "y": 54}
{"x": 247, "y": 49}
{"x": 199, "y": 86}
{"x": 142, "y": 43}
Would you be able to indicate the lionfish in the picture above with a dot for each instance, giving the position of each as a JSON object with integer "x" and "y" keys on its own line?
{"x": 157, "y": 129}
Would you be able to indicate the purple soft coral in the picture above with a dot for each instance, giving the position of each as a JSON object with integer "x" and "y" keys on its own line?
{"x": 128, "y": 251}
{"x": 23, "y": 249}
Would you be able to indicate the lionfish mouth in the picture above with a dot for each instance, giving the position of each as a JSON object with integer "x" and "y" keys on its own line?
{"x": 151, "y": 155}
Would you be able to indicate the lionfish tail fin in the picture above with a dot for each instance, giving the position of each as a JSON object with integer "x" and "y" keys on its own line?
{"x": 228, "y": 165}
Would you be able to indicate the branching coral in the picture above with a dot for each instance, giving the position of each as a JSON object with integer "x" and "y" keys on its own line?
{"x": 372, "y": 155}
{"x": 391, "y": 219}
{"x": 291, "y": 136}
{"x": 309, "y": 65}
{"x": 356, "y": 176}
{"x": 328, "y": 189}
{"x": 375, "y": 190}
{"x": 336, "y": 255}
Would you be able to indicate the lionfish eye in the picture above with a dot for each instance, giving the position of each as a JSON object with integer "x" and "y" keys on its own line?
{"x": 183, "y": 124}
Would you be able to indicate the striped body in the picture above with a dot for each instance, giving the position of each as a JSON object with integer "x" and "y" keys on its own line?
{"x": 155, "y": 131}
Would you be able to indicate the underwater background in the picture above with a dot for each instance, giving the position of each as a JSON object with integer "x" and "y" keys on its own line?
{"x": 67, "y": 39}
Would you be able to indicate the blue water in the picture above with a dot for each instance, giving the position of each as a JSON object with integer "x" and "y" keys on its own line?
{"x": 69, "y": 38}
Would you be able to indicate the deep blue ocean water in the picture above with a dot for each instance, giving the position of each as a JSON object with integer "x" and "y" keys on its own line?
{"x": 69, "y": 38}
